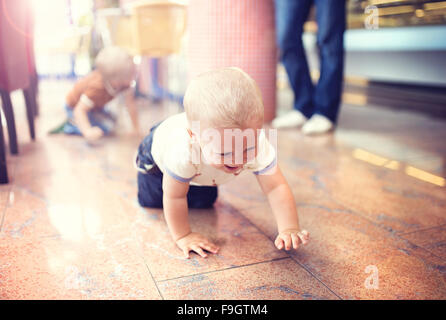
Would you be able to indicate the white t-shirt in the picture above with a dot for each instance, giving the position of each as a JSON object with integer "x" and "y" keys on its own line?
{"x": 172, "y": 151}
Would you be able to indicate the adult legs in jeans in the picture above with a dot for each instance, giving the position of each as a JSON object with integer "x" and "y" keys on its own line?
{"x": 290, "y": 18}
{"x": 330, "y": 17}
{"x": 323, "y": 99}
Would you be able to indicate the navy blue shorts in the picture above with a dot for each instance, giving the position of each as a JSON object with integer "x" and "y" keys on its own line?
{"x": 150, "y": 183}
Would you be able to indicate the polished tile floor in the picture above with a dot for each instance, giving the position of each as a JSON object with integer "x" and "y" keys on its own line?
{"x": 372, "y": 196}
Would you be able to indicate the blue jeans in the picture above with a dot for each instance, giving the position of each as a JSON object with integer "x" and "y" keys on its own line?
{"x": 150, "y": 183}
{"x": 98, "y": 118}
{"x": 324, "y": 97}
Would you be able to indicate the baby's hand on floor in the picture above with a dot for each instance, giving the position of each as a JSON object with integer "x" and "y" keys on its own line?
{"x": 291, "y": 238}
{"x": 196, "y": 242}
{"x": 93, "y": 134}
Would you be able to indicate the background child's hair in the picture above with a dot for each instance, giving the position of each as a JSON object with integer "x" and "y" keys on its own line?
{"x": 224, "y": 98}
{"x": 114, "y": 63}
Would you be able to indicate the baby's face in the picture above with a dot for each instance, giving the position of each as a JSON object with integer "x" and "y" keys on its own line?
{"x": 124, "y": 81}
{"x": 121, "y": 84}
{"x": 228, "y": 149}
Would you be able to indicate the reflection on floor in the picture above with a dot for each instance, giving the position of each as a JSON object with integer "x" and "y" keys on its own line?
{"x": 372, "y": 196}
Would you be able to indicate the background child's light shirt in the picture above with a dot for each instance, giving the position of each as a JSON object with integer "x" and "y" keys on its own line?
{"x": 173, "y": 147}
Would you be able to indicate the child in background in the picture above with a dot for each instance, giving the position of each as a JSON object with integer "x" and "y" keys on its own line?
{"x": 85, "y": 103}
{"x": 184, "y": 158}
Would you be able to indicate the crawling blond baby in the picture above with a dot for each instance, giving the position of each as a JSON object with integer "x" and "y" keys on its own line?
{"x": 185, "y": 157}
{"x": 86, "y": 101}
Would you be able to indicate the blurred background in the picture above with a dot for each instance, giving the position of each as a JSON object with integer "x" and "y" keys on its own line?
{"x": 394, "y": 50}
{"x": 403, "y": 59}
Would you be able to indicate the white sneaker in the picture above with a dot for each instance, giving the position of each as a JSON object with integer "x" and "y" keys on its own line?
{"x": 291, "y": 119}
{"x": 317, "y": 124}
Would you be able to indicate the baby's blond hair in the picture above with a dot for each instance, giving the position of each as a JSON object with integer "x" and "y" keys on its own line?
{"x": 114, "y": 63}
{"x": 224, "y": 98}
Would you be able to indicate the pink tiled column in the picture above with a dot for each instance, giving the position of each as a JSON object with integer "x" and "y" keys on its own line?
{"x": 235, "y": 33}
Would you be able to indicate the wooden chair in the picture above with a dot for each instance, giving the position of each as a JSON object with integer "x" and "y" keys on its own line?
{"x": 15, "y": 62}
